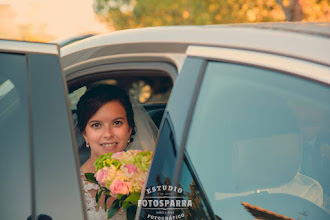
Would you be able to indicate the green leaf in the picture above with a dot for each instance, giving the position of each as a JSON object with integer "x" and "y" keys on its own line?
{"x": 105, "y": 202}
{"x": 114, "y": 209}
{"x": 134, "y": 198}
{"x": 116, "y": 163}
{"x": 130, "y": 213}
{"x": 121, "y": 196}
{"x": 126, "y": 205}
{"x": 97, "y": 196}
{"x": 90, "y": 177}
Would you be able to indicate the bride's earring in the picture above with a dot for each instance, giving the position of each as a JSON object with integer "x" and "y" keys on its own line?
{"x": 131, "y": 137}
{"x": 87, "y": 145}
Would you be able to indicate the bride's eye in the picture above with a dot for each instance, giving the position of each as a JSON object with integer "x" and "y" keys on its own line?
{"x": 117, "y": 123}
{"x": 96, "y": 125}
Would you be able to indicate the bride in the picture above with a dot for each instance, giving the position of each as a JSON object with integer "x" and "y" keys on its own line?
{"x": 110, "y": 123}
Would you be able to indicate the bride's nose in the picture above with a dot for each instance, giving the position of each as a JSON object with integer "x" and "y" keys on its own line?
{"x": 108, "y": 132}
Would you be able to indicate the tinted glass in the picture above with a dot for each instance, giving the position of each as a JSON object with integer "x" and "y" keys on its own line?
{"x": 57, "y": 190}
{"x": 14, "y": 135}
{"x": 162, "y": 169}
{"x": 261, "y": 137}
{"x": 194, "y": 192}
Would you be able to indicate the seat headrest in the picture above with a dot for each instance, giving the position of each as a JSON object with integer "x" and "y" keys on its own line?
{"x": 265, "y": 162}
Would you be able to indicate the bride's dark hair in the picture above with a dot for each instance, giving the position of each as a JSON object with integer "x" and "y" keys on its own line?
{"x": 96, "y": 97}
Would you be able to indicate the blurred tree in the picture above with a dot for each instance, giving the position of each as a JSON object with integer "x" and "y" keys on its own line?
{"x": 36, "y": 33}
{"x": 7, "y": 24}
{"x": 305, "y": 10}
{"x": 123, "y": 14}
{"x": 197, "y": 210}
{"x": 27, "y": 32}
{"x": 292, "y": 9}
{"x": 316, "y": 10}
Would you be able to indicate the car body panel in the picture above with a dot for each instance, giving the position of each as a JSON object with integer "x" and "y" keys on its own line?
{"x": 253, "y": 38}
{"x": 298, "y": 67}
{"x": 22, "y": 47}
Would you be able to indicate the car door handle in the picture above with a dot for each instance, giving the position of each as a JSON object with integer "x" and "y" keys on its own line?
{"x": 41, "y": 217}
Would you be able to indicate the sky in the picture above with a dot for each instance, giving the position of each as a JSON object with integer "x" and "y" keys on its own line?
{"x": 58, "y": 19}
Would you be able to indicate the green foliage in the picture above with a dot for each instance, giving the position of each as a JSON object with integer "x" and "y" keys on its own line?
{"x": 103, "y": 160}
{"x": 124, "y": 14}
{"x": 128, "y": 203}
{"x": 106, "y": 161}
{"x": 114, "y": 209}
{"x": 143, "y": 160}
{"x": 133, "y": 198}
{"x": 90, "y": 177}
{"x": 131, "y": 211}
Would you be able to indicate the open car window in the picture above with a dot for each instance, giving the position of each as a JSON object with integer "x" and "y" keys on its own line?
{"x": 144, "y": 89}
{"x": 149, "y": 88}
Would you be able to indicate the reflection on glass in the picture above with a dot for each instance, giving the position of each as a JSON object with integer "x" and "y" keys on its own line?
{"x": 193, "y": 193}
{"x": 5, "y": 87}
{"x": 9, "y": 99}
{"x": 248, "y": 139}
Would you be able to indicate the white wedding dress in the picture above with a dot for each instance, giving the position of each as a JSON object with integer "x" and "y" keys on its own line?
{"x": 94, "y": 213}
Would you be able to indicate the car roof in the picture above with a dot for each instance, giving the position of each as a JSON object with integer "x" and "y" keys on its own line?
{"x": 312, "y": 28}
{"x": 67, "y": 41}
{"x": 309, "y": 41}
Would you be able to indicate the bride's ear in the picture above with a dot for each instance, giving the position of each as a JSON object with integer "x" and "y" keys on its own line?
{"x": 130, "y": 131}
{"x": 85, "y": 137}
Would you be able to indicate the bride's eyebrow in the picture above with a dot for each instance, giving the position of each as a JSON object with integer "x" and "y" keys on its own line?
{"x": 93, "y": 121}
{"x": 119, "y": 118}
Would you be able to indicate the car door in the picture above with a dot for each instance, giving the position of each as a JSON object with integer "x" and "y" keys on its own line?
{"x": 234, "y": 133}
{"x": 40, "y": 176}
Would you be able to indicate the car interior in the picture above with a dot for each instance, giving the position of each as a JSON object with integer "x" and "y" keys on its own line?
{"x": 149, "y": 88}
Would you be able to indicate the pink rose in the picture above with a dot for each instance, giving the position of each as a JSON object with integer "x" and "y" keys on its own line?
{"x": 135, "y": 152}
{"x": 121, "y": 187}
{"x": 117, "y": 155}
{"x": 131, "y": 168}
{"x": 101, "y": 175}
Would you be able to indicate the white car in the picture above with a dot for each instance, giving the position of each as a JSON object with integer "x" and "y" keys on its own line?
{"x": 244, "y": 131}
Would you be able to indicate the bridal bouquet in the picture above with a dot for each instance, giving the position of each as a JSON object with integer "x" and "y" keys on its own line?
{"x": 121, "y": 175}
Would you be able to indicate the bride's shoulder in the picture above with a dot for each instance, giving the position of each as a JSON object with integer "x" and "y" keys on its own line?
{"x": 87, "y": 167}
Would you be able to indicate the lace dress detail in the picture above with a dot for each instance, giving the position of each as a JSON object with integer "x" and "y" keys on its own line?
{"x": 91, "y": 205}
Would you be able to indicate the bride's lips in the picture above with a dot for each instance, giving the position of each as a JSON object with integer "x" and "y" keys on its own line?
{"x": 109, "y": 146}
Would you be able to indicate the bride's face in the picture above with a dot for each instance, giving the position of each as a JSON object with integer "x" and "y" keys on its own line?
{"x": 107, "y": 130}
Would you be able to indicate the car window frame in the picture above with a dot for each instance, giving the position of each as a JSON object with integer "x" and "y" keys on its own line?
{"x": 230, "y": 55}
{"x": 31, "y": 51}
